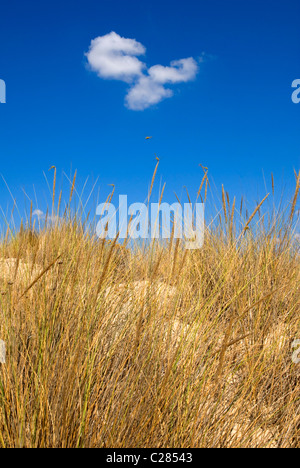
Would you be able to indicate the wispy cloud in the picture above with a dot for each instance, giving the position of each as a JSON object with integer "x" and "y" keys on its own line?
{"x": 51, "y": 219}
{"x": 115, "y": 57}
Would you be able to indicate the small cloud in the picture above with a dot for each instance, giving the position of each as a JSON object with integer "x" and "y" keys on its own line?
{"x": 115, "y": 57}
{"x": 50, "y": 219}
{"x": 39, "y": 214}
{"x": 204, "y": 57}
{"x": 54, "y": 219}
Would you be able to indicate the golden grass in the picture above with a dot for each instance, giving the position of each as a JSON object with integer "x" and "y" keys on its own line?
{"x": 108, "y": 346}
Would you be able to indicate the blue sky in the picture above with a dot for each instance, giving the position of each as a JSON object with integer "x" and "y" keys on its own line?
{"x": 235, "y": 116}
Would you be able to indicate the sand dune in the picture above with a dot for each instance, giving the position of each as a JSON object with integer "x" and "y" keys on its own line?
{"x": 12, "y": 269}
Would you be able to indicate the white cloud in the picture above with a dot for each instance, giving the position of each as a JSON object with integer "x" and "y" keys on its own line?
{"x": 38, "y": 213}
{"x": 150, "y": 90}
{"x": 114, "y": 57}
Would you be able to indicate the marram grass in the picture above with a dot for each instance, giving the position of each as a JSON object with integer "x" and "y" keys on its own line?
{"x": 157, "y": 346}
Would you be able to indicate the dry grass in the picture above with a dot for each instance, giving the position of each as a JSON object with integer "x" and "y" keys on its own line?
{"x": 153, "y": 347}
